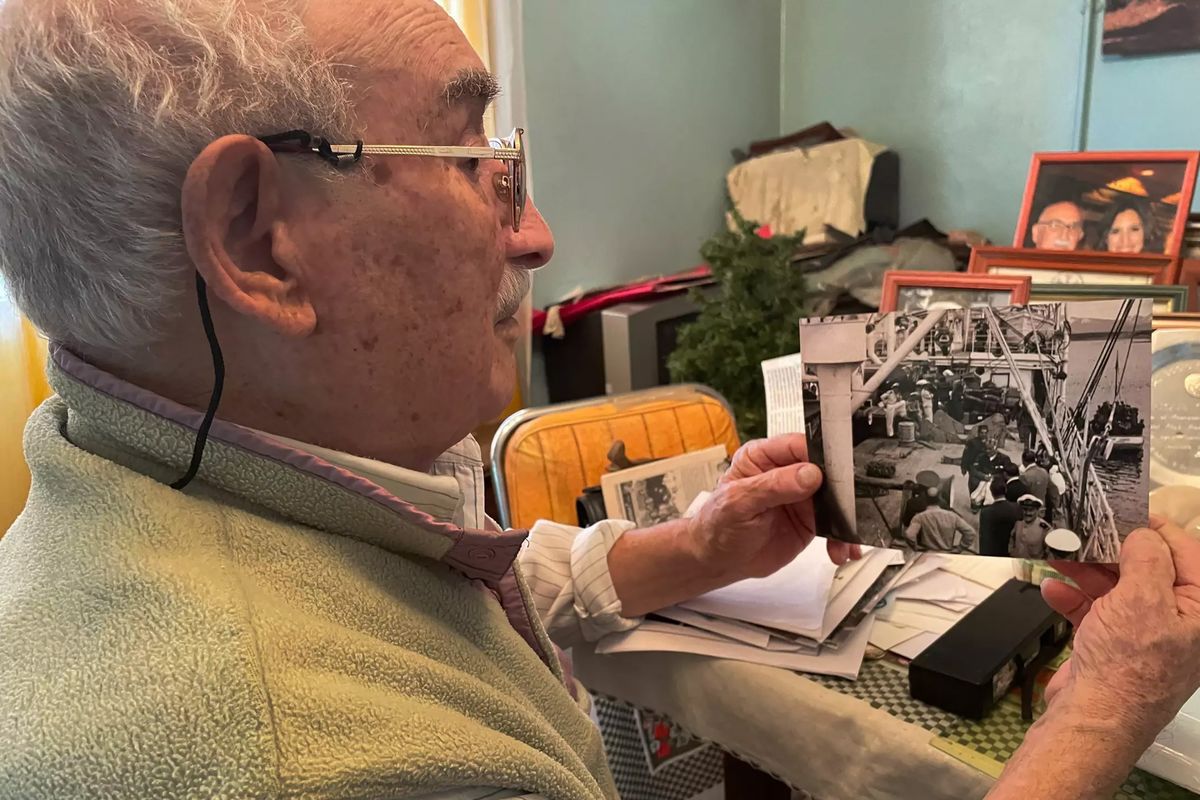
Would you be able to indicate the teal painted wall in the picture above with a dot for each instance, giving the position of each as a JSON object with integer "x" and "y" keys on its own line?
{"x": 1147, "y": 103}
{"x": 634, "y": 107}
{"x": 964, "y": 90}
{"x": 968, "y": 90}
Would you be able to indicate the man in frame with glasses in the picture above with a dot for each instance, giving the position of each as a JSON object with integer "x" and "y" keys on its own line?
{"x": 279, "y": 261}
{"x": 1059, "y": 226}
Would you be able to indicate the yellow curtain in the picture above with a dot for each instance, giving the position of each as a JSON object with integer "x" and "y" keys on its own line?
{"x": 472, "y": 17}
{"x": 22, "y": 388}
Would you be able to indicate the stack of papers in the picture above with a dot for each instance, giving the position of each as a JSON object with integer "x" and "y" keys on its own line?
{"x": 931, "y": 596}
{"x": 810, "y": 616}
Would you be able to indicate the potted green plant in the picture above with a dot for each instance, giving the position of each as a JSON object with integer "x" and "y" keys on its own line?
{"x": 752, "y": 316}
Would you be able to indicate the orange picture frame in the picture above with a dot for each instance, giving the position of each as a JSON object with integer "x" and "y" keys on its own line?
{"x": 1172, "y": 242}
{"x": 1142, "y": 268}
{"x": 896, "y": 279}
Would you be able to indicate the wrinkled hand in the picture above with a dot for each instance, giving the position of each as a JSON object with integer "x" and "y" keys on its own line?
{"x": 760, "y": 517}
{"x": 1137, "y": 643}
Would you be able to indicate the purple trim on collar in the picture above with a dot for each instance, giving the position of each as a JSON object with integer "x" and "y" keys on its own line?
{"x": 513, "y": 603}
{"x": 485, "y": 555}
{"x": 568, "y": 670}
{"x": 477, "y": 554}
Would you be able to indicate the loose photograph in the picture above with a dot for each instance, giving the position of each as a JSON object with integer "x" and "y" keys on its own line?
{"x": 660, "y": 491}
{"x": 1018, "y": 431}
{"x": 1108, "y": 202}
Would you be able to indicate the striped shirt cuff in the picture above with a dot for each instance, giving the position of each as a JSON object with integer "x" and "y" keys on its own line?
{"x": 567, "y": 572}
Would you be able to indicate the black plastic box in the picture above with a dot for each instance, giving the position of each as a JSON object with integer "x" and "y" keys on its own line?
{"x": 970, "y": 667}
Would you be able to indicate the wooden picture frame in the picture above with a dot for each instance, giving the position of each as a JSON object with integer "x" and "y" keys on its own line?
{"x": 1105, "y": 194}
{"x": 1186, "y": 321}
{"x": 1058, "y": 266}
{"x": 895, "y": 280}
{"x": 1189, "y": 276}
{"x": 1176, "y": 296}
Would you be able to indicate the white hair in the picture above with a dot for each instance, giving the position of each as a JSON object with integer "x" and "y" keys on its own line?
{"x": 104, "y": 104}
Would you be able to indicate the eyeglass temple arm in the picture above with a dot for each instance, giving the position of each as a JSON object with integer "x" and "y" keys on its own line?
{"x": 301, "y": 141}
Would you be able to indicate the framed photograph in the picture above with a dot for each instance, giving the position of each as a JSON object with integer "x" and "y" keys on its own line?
{"x": 913, "y": 290}
{"x": 1051, "y": 266}
{"x": 1166, "y": 322}
{"x": 983, "y": 430}
{"x": 1166, "y": 299}
{"x": 1189, "y": 276}
{"x": 1146, "y": 27}
{"x": 1124, "y": 202}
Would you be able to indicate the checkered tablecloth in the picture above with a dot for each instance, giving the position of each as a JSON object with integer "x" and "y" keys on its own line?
{"x": 688, "y": 766}
{"x": 985, "y": 745}
{"x": 653, "y": 758}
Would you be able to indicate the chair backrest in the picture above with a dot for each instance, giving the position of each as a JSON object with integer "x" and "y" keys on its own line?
{"x": 543, "y": 458}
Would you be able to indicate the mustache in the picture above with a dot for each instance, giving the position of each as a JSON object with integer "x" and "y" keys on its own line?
{"x": 514, "y": 285}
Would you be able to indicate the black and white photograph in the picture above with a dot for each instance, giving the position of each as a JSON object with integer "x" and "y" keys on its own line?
{"x": 920, "y": 298}
{"x": 1018, "y": 431}
{"x": 659, "y": 491}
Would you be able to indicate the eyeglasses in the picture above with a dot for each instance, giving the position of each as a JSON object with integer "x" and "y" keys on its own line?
{"x": 1058, "y": 226}
{"x": 510, "y": 150}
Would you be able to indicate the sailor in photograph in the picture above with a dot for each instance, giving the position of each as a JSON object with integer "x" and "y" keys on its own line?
{"x": 1028, "y": 538}
{"x": 925, "y": 395}
{"x": 890, "y": 403}
{"x": 1034, "y": 476}
{"x": 1063, "y": 545}
{"x": 940, "y": 529}
{"x": 996, "y": 523}
{"x": 975, "y": 449}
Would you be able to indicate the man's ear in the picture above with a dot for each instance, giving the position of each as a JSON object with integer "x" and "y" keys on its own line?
{"x": 233, "y": 227}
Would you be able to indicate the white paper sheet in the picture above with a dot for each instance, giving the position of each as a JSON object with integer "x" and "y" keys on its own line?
{"x": 845, "y": 662}
{"x": 839, "y": 607}
{"x": 988, "y": 571}
{"x": 886, "y": 635}
{"x": 785, "y": 396}
{"x": 951, "y": 606}
{"x": 925, "y": 564}
{"x": 924, "y": 616}
{"x": 940, "y": 585}
{"x": 724, "y": 627}
{"x": 793, "y": 599}
{"x": 916, "y": 645}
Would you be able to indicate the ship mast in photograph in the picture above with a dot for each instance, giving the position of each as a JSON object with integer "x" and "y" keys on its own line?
{"x": 1001, "y": 424}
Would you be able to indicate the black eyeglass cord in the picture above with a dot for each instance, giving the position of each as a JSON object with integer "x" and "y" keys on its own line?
{"x": 214, "y": 400}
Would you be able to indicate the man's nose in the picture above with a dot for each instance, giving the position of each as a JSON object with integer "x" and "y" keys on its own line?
{"x": 533, "y": 246}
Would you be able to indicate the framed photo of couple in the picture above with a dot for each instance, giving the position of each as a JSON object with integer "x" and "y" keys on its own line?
{"x": 1123, "y": 203}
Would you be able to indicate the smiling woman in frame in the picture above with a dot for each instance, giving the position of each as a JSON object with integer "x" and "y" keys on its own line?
{"x": 1119, "y": 202}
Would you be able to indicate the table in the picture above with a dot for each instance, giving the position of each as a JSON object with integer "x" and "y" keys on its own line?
{"x": 835, "y": 739}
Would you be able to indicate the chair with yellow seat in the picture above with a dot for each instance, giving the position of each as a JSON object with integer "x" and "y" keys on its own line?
{"x": 543, "y": 458}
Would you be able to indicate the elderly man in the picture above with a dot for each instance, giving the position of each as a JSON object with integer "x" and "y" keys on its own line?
{"x": 1059, "y": 226}
{"x": 269, "y": 576}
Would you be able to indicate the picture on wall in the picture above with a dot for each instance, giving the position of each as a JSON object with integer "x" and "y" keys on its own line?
{"x": 1018, "y": 431}
{"x": 1145, "y": 27}
{"x": 1123, "y": 203}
